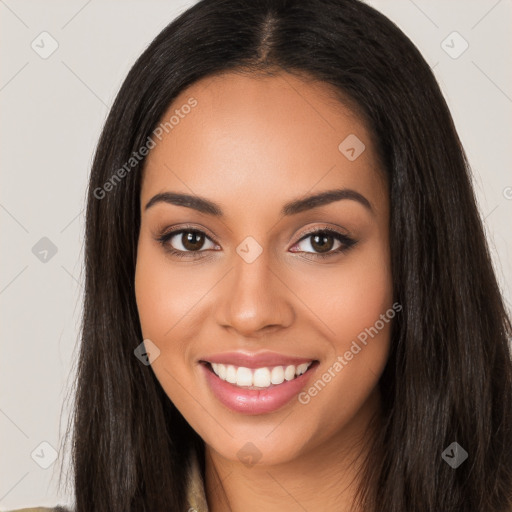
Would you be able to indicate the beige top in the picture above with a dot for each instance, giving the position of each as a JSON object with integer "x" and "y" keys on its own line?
{"x": 195, "y": 494}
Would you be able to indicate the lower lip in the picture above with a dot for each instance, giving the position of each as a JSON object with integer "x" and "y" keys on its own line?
{"x": 256, "y": 401}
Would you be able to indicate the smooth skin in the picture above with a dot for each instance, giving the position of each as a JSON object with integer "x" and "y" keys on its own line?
{"x": 251, "y": 145}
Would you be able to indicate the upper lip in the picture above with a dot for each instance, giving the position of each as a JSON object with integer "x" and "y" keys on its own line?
{"x": 257, "y": 360}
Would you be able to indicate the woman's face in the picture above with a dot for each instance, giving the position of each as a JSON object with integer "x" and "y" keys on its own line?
{"x": 256, "y": 291}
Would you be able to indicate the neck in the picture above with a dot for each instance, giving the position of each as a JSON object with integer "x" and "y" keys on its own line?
{"x": 325, "y": 477}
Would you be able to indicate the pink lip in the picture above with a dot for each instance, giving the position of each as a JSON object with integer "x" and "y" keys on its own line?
{"x": 255, "y": 401}
{"x": 258, "y": 360}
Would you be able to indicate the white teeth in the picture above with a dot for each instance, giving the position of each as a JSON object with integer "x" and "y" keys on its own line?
{"x": 277, "y": 375}
{"x": 243, "y": 377}
{"x": 231, "y": 374}
{"x": 258, "y": 377}
{"x": 261, "y": 378}
{"x": 302, "y": 368}
{"x": 289, "y": 373}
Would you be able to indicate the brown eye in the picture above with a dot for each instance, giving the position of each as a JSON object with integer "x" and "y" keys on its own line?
{"x": 325, "y": 243}
{"x": 322, "y": 242}
{"x": 183, "y": 241}
{"x": 192, "y": 240}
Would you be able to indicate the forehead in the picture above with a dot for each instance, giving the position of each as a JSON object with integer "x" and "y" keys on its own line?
{"x": 249, "y": 139}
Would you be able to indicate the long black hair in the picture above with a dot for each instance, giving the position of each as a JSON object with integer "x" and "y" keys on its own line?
{"x": 449, "y": 374}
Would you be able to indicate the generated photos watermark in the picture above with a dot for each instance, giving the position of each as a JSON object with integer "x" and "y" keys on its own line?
{"x": 342, "y": 360}
{"x": 138, "y": 156}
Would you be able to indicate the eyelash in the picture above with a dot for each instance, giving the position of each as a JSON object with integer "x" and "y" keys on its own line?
{"x": 347, "y": 242}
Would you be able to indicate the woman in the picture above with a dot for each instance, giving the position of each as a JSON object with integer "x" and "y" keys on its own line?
{"x": 337, "y": 341}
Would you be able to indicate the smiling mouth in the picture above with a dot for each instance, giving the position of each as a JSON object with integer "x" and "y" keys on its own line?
{"x": 258, "y": 378}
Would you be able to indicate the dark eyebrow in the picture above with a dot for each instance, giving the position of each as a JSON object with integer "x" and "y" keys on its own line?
{"x": 323, "y": 198}
{"x": 291, "y": 208}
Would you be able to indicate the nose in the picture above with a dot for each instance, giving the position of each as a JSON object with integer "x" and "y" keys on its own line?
{"x": 254, "y": 300}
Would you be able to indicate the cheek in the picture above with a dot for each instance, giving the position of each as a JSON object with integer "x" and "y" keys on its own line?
{"x": 169, "y": 302}
{"x": 164, "y": 294}
{"x": 357, "y": 306}
{"x": 349, "y": 296}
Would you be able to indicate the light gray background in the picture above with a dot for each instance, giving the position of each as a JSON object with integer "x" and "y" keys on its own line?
{"x": 52, "y": 113}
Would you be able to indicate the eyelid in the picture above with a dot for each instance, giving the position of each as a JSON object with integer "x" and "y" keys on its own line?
{"x": 322, "y": 229}
{"x": 174, "y": 230}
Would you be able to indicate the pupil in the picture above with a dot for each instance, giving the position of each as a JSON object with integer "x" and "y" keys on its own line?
{"x": 193, "y": 240}
{"x": 322, "y": 245}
